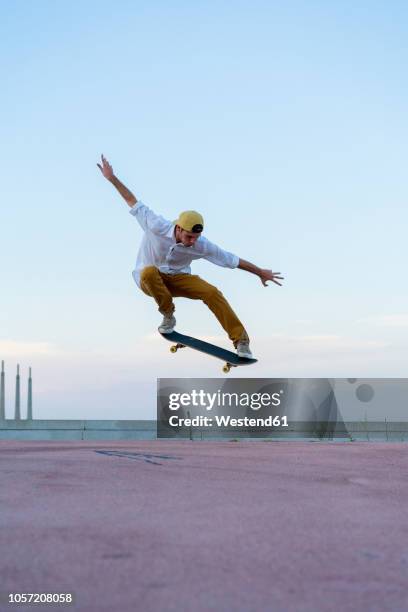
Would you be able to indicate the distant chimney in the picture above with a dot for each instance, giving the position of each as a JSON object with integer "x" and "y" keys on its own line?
{"x": 2, "y": 394}
{"x": 30, "y": 398}
{"x": 17, "y": 414}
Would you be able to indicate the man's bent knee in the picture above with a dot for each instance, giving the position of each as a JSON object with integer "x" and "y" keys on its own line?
{"x": 148, "y": 273}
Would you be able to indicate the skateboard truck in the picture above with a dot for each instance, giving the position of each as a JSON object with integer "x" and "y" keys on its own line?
{"x": 174, "y": 348}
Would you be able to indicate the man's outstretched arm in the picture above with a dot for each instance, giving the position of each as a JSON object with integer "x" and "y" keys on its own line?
{"x": 218, "y": 256}
{"x": 264, "y": 275}
{"x": 107, "y": 172}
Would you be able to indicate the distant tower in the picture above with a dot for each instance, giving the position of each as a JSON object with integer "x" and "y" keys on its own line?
{"x": 30, "y": 398}
{"x": 2, "y": 395}
{"x": 17, "y": 415}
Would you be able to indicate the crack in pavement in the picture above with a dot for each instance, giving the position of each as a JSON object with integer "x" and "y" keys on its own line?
{"x": 147, "y": 457}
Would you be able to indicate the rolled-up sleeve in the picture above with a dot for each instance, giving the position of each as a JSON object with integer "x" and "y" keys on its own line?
{"x": 148, "y": 220}
{"x": 218, "y": 256}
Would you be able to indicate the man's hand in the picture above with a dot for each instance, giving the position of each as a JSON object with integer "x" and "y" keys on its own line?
{"x": 106, "y": 168}
{"x": 268, "y": 275}
{"x": 107, "y": 172}
{"x": 264, "y": 275}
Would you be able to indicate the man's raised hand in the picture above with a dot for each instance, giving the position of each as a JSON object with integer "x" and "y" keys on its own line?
{"x": 106, "y": 168}
{"x": 268, "y": 275}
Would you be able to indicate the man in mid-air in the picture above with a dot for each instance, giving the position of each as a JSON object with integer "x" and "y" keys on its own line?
{"x": 163, "y": 270}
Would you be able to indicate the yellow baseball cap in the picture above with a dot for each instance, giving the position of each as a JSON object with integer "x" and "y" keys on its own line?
{"x": 191, "y": 221}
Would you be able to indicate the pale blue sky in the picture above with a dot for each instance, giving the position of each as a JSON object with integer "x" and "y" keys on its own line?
{"x": 284, "y": 123}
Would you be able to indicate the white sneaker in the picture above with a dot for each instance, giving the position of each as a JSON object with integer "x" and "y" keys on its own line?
{"x": 168, "y": 324}
{"x": 243, "y": 349}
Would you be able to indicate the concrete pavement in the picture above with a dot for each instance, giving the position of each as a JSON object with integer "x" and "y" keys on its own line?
{"x": 175, "y": 526}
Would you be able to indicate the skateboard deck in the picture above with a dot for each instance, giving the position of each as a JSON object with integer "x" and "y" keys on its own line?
{"x": 231, "y": 359}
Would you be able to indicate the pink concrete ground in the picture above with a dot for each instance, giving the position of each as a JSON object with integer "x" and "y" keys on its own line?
{"x": 161, "y": 526}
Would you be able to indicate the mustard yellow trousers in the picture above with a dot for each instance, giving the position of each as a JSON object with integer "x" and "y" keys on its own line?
{"x": 164, "y": 287}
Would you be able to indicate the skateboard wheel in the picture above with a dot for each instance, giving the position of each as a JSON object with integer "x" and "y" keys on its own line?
{"x": 226, "y": 368}
{"x": 173, "y": 349}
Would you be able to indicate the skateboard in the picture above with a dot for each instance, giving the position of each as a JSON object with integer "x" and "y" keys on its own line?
{"x": 232, "y": 360}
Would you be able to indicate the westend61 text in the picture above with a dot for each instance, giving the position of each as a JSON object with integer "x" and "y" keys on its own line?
{"x": 227, "y": 421}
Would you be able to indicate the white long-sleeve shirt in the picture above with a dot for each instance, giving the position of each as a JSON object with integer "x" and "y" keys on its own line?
{"x": 159, "y": 247}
